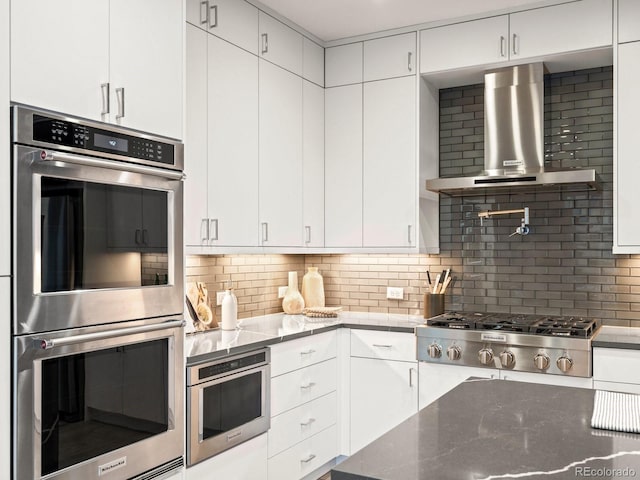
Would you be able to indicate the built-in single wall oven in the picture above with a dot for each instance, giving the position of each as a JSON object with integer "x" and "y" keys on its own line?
{"x": 98, "y": 382}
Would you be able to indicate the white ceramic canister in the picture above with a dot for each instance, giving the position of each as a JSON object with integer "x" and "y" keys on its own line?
{"x": 229, "y": 310}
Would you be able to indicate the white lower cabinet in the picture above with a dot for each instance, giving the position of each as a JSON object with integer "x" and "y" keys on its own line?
{"x": 561, "y": 380}
{"x": 247, "y": 461}
{"x": 616, "y": 369}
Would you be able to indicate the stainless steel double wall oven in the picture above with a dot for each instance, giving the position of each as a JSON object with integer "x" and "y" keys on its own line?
{"x": 97, "y": 299}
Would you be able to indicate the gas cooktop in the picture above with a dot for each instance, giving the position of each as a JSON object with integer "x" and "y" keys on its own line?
{"x": 564, "y": 326}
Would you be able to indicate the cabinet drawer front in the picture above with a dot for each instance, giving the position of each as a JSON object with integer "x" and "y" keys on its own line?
{"x": 616, "y": 365}
{"x": 386, "y": 345}
{"x": 305, "y": 457}
{"x": 302, "y": 422}
{"x": 617, "y": 387}
{"x": 296, "y": 354}
{"x": 301, "y": 386}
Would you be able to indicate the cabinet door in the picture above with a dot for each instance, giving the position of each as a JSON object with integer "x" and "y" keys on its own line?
{"x": 343, "y": 65}
{"x": 5, "y": 165}
{"x": 313, "y": 62}
{"x": 460, "y": 45}
{"x": 626, "y": 226}
{"x": 63, "y": 69}
{"x": 390, "y": 163}
{"x": 343, "y": 166}
{"x": 628, "y": 20}
{"x": 390, "y": 57}
{"x": 383, "y": 394}
{"x": 313, "y": 164}
{"x": 195, "y": 147}
{"x": 233, "y": 144}
{"x": 234, "y": 20}
{"x": 561, "y": 28}
{"x": 280, "y": 44}
{"x": 280, "y": 156}
{"x": 124, "y": 218}
{"x": 436, "y": 380}
{"x": 155, "y": 214}
{"x": 146, "y": 41}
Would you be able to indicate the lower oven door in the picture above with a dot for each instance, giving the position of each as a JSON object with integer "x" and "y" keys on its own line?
{"x": 227, "y": 411}
{"x": 98, "y": 403}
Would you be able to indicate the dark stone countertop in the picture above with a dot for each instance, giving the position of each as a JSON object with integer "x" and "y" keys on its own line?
{"x": 617, "y": 337}
{"x": 498, "y": 429}
{"x": 257, "y": 332}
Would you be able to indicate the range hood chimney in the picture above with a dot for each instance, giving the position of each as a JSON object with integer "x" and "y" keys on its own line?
{"x": 514, "y": 140}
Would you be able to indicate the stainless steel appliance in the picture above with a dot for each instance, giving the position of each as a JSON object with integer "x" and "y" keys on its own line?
{"x": 526, "y": 343}
{"x": 97, "y": 223}
{"x": 228, "y": 402}
{"x": 98, "y": 402}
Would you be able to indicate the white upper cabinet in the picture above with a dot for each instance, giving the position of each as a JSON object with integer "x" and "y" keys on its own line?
{"x": 134, "y": 46}
{"x": 343, "y": 65}
{"x": 465, "y": 44}
{"x": 280, "y": 44}
{"x": 313, "y": 62}
{"x": 628, "y": 20}
{"x": 389, "y": 181}
{"x": 62, "y": 73}
{"x": 390, "y": 57}
{"x": 234, "y": 20}
{"x": 313, "y": 164}
{"x": 280, "y": 156}
{"x": 626, "y": 232}
{"x": 561, "y": 28}
{"x": 343, "y": 166}
{"x": 146, "y": 67}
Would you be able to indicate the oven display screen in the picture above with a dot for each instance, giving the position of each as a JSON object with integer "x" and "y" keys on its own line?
{"x": 111, "y": 143}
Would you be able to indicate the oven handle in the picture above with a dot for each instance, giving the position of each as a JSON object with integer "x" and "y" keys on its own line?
{"x": 95, "y": 162}
{"x": 47, "y": 344}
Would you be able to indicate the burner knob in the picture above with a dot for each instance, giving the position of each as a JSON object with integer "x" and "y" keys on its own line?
{"x": 564, "y": 364}
{"x": 485, "y": 356}
{"x": 435, "y": 350}
{"x": 507, "y": 359}
{"x": 454, "y": 352}
{"x": 541, "y": 361}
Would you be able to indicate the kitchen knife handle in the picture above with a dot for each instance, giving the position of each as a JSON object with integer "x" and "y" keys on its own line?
{"x": 502, "y": 45}
{"x": 409, "y": 67}
{"x": 265, "y": 43}
{"x": 214, "y": 9}
{"x": 104, "y": 87}
{"x": 204, "y": 12}
{"x": 120, "y": 98}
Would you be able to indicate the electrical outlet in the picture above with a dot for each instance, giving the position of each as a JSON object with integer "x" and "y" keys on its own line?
{"x": 395, "y": 293}
{"x": 282, "y": 291}
{"x": 219, "y": 297}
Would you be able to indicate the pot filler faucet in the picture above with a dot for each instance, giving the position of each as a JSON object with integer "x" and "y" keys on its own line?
{"x": 523, "y": 229}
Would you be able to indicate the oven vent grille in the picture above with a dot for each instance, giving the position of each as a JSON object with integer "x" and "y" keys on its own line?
{"x": 162, "y": 470}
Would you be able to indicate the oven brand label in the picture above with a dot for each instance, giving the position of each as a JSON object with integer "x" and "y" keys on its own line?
{"x": 111, "y": 466}
{"x": 494, "y": 337}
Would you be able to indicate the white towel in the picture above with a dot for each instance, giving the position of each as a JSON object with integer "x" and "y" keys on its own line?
{"x": 616, "y": 411}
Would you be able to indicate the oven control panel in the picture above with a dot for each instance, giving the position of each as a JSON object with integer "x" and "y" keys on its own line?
{"x": 227, "y": 366}
{"x": 92, "y": 139}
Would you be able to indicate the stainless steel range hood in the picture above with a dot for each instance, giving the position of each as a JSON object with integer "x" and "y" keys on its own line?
{"x": 514, "y": 140}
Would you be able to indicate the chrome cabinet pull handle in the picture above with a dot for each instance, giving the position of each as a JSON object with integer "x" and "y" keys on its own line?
{"x": 515, "y": 38}
{"x": 409, "y": 67}
{"x": 214, "y": 9}
{"x": 308, "y": 385}
{"x": 204, "y": 227}
{"x": 46, "y": 344}
{"x": 307, "y": 352}
{"x": 213, "y": 228}
{"x": 265, "y": 232}
{"x": 308, "y": 422}
{"x": 145, "y": 236}
{"x": 104, "y": 87}
{"x": 409, "y": 239}
{"x": 378, "y": 345}
{"x": 307, "y": 231}
{"x": 411, "y": 377}
{"x": 265, "y": 43}
{"x": 204, "y": 12}
{"x": 120, "y": 97}
{"x": 308, "y": 459}
{"x": 138, "y": 238}
{"x": 502, "y": 44}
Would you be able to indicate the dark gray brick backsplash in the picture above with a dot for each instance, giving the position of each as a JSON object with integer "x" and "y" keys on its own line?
{"x": 565, "y": 266}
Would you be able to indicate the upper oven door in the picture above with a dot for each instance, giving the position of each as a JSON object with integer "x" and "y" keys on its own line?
{"x": 95, "y": 241}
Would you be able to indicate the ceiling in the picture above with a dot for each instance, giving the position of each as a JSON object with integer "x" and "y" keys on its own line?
{"x": 335, "y": 19}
